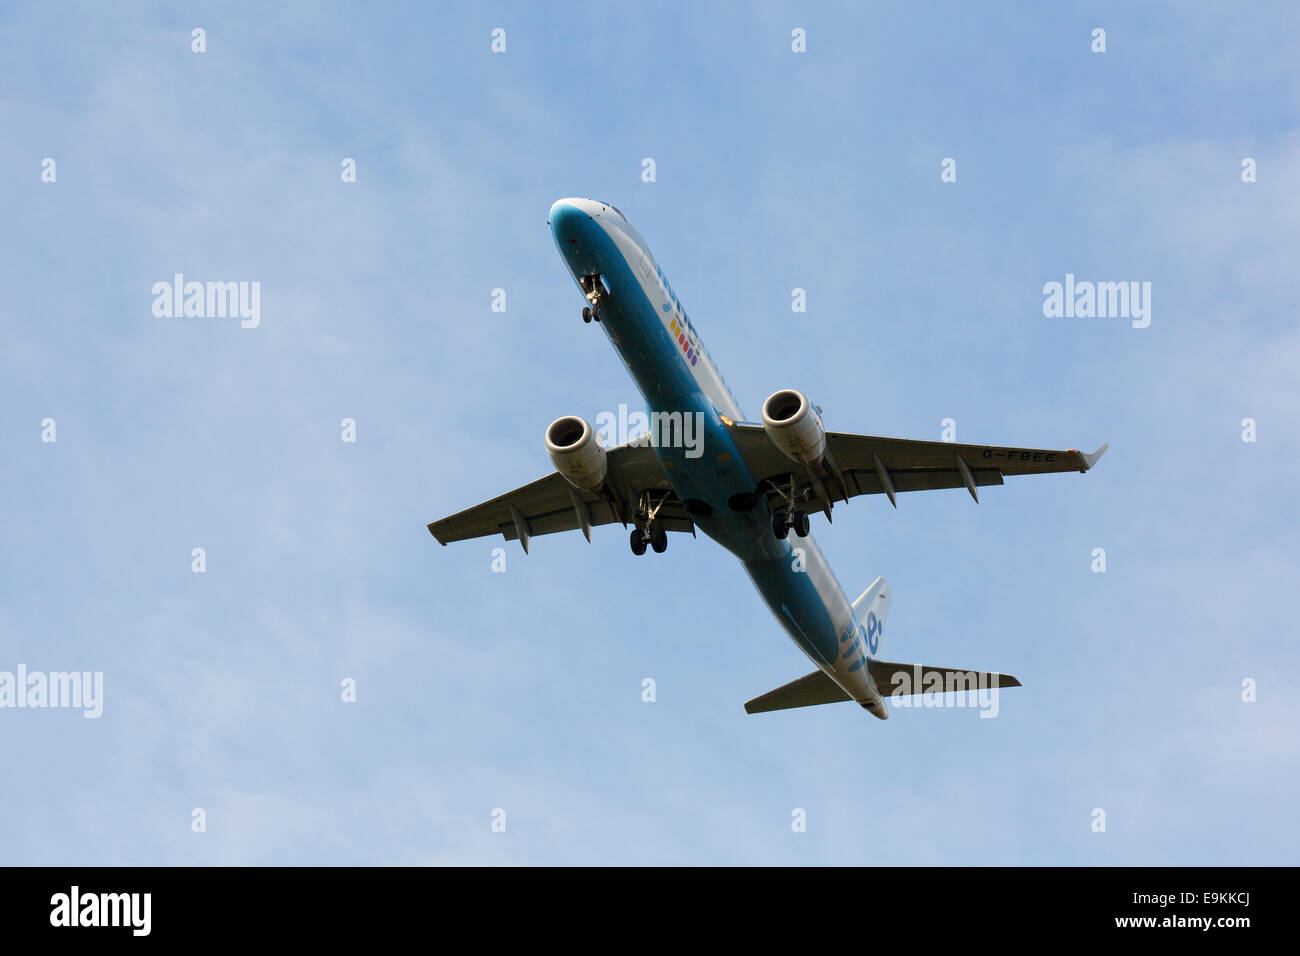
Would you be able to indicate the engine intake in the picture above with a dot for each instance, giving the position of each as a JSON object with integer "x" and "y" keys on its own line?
{"x": 794, "y": 426}
{"x": 576, "y": 454}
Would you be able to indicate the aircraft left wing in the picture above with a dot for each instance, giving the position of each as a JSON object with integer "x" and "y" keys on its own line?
{"x": 552, "y": 504}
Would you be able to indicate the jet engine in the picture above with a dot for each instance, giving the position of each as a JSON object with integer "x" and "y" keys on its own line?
{"x": 794, "y": 426}
{"x": 576, "y": 454}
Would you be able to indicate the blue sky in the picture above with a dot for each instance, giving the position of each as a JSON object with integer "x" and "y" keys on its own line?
{"x": 522, "y": 690}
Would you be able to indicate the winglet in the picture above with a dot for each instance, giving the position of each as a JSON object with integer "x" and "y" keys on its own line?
{"x": 1090, "y": 460}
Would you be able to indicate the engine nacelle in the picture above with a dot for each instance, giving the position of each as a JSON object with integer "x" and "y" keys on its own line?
{"x": 794, "y": 426}
{"x": 576, "y": 454}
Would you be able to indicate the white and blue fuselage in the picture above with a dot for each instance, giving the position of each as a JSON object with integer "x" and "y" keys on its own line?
{"x": 657, "y": 341}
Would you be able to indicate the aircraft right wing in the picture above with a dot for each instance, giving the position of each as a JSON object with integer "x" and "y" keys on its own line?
{"x": 871, "y": 465}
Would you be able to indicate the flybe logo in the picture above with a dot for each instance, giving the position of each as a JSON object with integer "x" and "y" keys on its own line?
{"x": 671, "y": 302}
{"x": 871, "y": 632}
{"x": 679, "y": 325}
{"x": 874, "y": 630}
{"x": 687, "y": 340}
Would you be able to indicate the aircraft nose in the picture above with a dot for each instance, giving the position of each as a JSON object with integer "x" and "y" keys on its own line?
{"x": 569, "y": 219}
{"x": 580, "y": 237}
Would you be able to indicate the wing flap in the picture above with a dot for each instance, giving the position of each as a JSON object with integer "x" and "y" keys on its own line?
{"x": 869, "y": 483}
{"x": 908, "y": 454}
{"x": 568, "y": 521}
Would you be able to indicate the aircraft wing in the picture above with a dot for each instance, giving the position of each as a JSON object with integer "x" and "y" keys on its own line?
{"x": 551, "y": 504}
{"x": 870, "y": 465}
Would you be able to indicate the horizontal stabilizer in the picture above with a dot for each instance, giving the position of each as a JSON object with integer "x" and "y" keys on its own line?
{"x": 899, "y": 680}
{"x": 815, "y": 688}
{"x": 892, "y": 680}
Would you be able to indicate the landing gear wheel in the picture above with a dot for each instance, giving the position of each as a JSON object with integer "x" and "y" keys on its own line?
{"x": 800, "y": 522}
{"x": 638, "y": 542}
{"x": 586, "y": 313}
{"x": 658, "y": 539}
{"x": 779, "y": 527}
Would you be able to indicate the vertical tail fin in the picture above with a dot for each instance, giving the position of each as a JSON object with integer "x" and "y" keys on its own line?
{"x": 871, "y": 609}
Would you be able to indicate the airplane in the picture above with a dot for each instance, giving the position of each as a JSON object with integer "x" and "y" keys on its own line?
{"x": 746, "y": 485}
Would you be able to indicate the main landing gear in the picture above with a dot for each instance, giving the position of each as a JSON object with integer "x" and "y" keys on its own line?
{"x": 657, "y": 538}
{"x": 782, "y": 522}
{"x": 648, "y": 530}
{"x": 593, "y": 287}
{"x": 792, "y": 516}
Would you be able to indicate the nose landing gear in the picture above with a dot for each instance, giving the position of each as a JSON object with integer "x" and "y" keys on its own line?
{"x": 594, "y": 288}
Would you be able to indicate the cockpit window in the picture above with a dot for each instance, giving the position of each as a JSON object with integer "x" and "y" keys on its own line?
{"x": 616, "y": 209}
